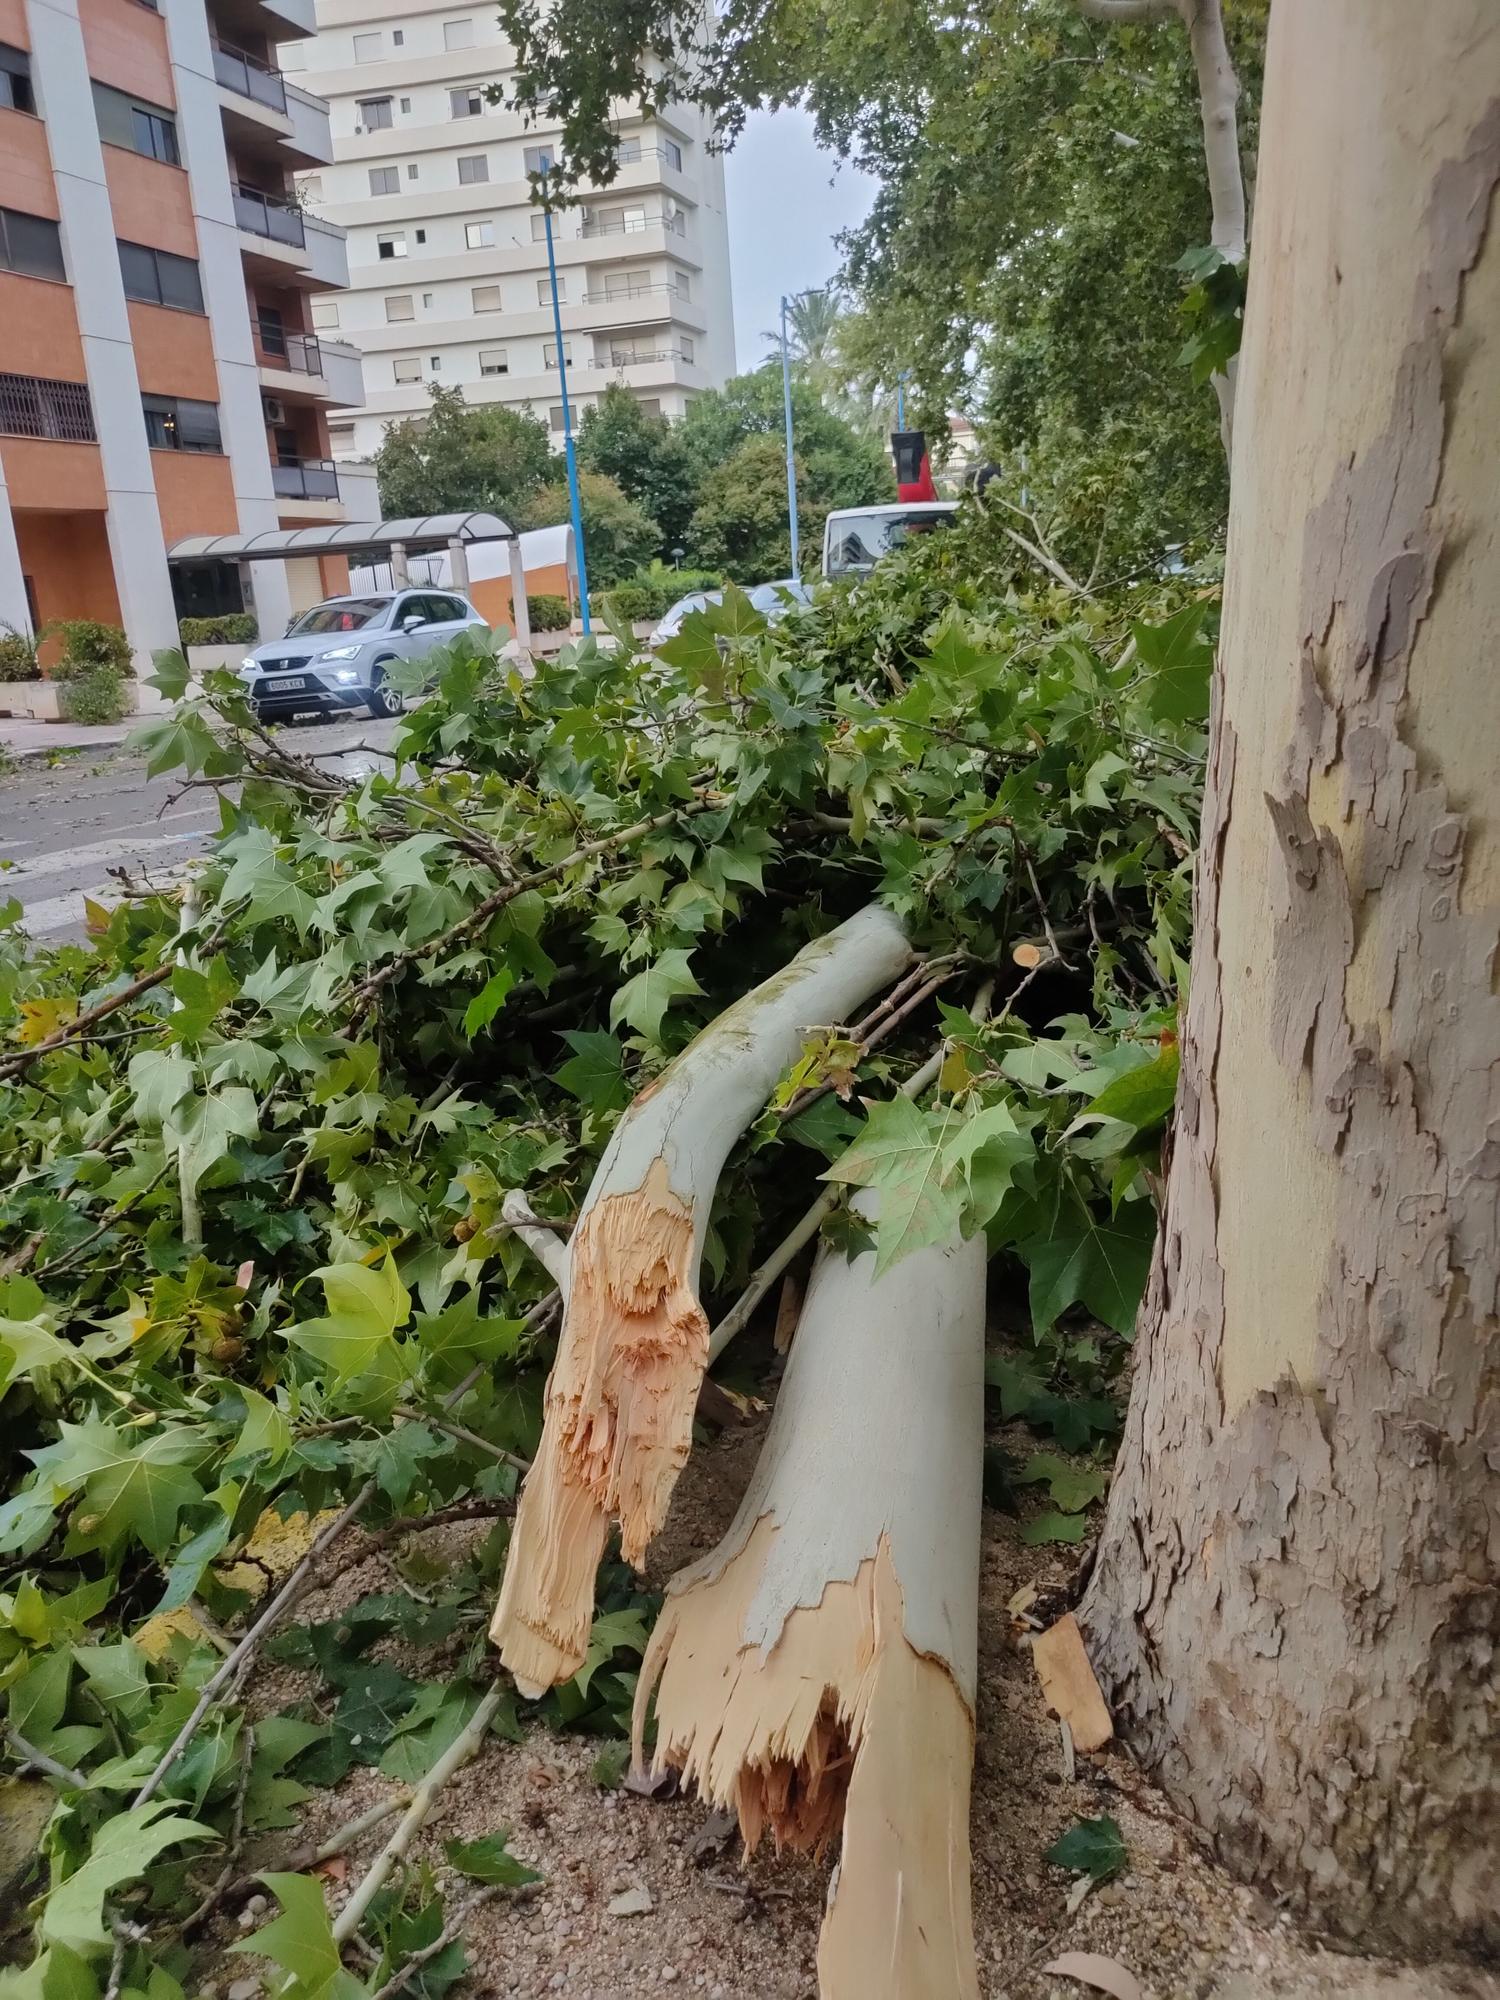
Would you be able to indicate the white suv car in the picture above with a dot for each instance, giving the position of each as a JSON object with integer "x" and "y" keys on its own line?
{"x": 335, "y": 655}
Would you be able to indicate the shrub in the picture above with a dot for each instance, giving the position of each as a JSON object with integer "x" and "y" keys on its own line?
{"x": 651, "y": 592}
{"x": 87, "y": 644}
{"x": 17, "y": 656}
{"x": 549, "y": 614}
{"x": 92, "y": 694}
{"x": 229, "y": 628}
{"x": 634, "y": 600}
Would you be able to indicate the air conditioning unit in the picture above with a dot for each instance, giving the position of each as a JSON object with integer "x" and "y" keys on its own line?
{"x": 273, "y": 409}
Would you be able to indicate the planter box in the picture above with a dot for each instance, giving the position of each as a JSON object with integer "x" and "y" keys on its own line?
{"x": 36, "y": 700}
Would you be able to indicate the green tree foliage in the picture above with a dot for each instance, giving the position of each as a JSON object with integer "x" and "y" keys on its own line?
{"x": 644, "y": 456}
{"x": 401, "y": 995}
{"x": 462, "y": 456}
{"x": 1040, "y": 174}
{"x": 740, "y": 525}
{"x": 619, "y": 536}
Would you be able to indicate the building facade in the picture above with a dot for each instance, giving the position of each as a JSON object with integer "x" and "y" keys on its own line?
{"x": 447, "y": 262}
{"x": 160, "y": 373}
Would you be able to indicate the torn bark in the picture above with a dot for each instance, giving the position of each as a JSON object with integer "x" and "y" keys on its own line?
{"x": 634, "y": 1342}
{"x": 816, "y": 1672}
{"x": 1296, "y": 1604}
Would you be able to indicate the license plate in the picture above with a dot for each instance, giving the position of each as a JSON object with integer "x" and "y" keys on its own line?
{"x": 285, "y": 686}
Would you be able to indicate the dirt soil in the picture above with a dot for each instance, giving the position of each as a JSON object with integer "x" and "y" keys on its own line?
{"x": 1182, "y": 1927}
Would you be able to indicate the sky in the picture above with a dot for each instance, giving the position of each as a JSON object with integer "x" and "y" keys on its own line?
{"x": 788, "y": 199}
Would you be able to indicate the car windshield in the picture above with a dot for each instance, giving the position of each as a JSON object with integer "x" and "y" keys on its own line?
{"x": 344, "y": 614}
{"x": 780, "y": 596}
{"x": 860, "y": 542}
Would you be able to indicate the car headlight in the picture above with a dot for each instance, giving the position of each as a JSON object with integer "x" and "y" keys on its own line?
{"x": 250, "y": 667}
{"x": 346, "y": 676}
{"x": 340, "y": 653}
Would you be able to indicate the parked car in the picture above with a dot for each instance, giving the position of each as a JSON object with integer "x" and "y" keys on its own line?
{"x": 336, "y": 655}
{"x": 774, "y": 599}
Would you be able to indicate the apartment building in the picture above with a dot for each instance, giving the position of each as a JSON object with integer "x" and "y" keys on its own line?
{"x": 447, "y": 263}
{"x": 160, "y": 373}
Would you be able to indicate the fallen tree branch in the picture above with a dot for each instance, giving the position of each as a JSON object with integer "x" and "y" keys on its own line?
{"x": 29, "y": 1754}
{"x": 309, "y": 1855}
{"x": 423, "y": 1799}
{"x": 634, "y": 1343}
{"x": 77, "y": 1029}
{"x": 454, "y": 1927}
{"x": 539, "y": 1239}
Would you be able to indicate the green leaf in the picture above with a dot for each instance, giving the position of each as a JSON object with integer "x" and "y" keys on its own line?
{"x": 1103, "y": 1265}
{"x": 203, "y": 1127}
{"x": 1094, "y": 1847}
{"x": 595, "y": 1072}
{"x": 1072, "y": 1487}
{"x": 128, "y": 1483}
{"x": 185, "y": 1572}
{"x": 265, "y": 1429}
{"x": 489, "y": 1859}
{"x": 1182, "y": 661}
{"x": 643, "y": 1000}
{"x": 456, "y": 1339}
{"x": 366, "y": 1305}
{"x": 1051, "y": 1527}
{"x": 301, "y": 1942}
{"x": 1143, "y": 1097}
{"x": 397, "y": 1458}
{"x": 433, "y": 1724}
{"x": 37, "y": 1700}
{"x": 900, "y": 1153}
{"x": 160, "y": 1081}
{"x": 487, "y": 1003}
{"x": 123, "y": 1850}
{"x": 611, "y": 1631}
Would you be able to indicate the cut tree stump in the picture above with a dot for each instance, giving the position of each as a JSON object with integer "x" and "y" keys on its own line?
{"x": 816, "y": 1672}
{"x": 634, "y": 1342}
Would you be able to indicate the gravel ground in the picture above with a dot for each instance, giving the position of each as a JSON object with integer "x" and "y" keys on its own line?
{"x": 706, "y": 1924}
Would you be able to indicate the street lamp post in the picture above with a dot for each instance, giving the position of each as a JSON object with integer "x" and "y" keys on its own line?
{"x": 791, "y": 466}
{"x": 901, "y": 381}
{"x": 570, "y": 455}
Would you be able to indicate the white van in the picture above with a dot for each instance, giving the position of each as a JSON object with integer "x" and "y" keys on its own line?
{"x": 855, "y": 538}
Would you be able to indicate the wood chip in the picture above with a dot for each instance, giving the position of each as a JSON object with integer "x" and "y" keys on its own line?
{"x": 1022, "y": 1601}
{"x": 1105, "y": 1975}
{"x": 1069, "y": 1686}
{"x": 1028, "y": 956}
{"x": 1069, "y": 1764}
{"x": 789, "y": 1309}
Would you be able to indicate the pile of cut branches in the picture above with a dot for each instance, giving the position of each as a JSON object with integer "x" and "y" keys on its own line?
{"x": 631, "y": 979}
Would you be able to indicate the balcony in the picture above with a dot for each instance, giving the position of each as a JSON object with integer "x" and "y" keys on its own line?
{"x": 305, "y": 479}
{"x": 594, "y": 226}
{"x": 236, "y": 71}
{"x": 300, "y": 353}
{"x": 638, "y": 357}
{"x": 615, "y": 295}
{"x": 264, "y": 215}
{"x": 298, "y": 247}
{"x": 307, "y": 369}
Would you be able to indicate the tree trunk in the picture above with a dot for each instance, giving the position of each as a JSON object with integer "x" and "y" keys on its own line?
{"x": 1295, "y": 1604}
{"x": 634, "y": 1341}
{"x": 816, "y": 1672}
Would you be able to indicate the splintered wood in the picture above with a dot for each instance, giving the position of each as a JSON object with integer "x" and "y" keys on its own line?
{"x": 1069, "y": 1686}
{"x": 816, "y": 1672}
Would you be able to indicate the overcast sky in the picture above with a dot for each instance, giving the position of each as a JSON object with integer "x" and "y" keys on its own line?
{"x": 787, "y": 202}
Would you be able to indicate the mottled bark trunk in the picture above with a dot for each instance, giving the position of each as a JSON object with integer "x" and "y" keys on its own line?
{"x": 1296, "y": 1605}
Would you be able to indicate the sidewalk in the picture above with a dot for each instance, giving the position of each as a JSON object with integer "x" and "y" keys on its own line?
{"x": 22, "y": 740}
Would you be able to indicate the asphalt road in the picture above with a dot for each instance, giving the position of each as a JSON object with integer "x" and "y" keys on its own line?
{"x": 64, "y": 827}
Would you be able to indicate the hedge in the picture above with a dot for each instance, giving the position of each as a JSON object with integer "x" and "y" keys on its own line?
{"x": 230, "y": 628}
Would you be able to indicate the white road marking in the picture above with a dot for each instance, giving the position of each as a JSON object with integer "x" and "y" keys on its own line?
{"x": 95, "y": 856}
{"x": 60, "y": 913}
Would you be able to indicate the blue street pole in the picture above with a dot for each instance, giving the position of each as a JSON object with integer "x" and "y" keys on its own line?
{"x": 571, "y": 456}
{"x": 901, "y": 399}
{"x": 791, "y": 465}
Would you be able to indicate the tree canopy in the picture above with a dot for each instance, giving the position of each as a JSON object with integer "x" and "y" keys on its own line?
{"x": 643, "y": 455}
{"x": 462, "y": 455}
{"x": 619, "y": 536}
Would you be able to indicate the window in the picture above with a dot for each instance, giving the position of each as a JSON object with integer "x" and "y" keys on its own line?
{"x": 538, "y": 226}
{"x": 650, "y": 406}
{"x": 626, "y": 284}
{"x": 672, "y": 153}
{"x": 473, "y": 168}
{"x": 324, "y": 313}
{"x": 421, "y": 235}
{"x": 549, "y": 353}
{"x": 341, "y": 437}
{"x": 384, "y": 180}
{"x": 466, "y": 103}
{"x": 555, "y": 416}
{"x": 158, "y": 278}
{"x": 406, "y": 368}
{"x": 144, "y": 128}
{"x": 292, "y": 55}
{"x": 399, "y": 306}
{"x": 173, "y": 423}
{"x": 31, "y": 245}
{"x": 538, "y": 159}
{"x": 32, "y": 406}
{"x": 312, "y": 186}
{"x": 680, "y": 285}
{"x": 435, "y": 362}
{"x": 493, "y": 361}
{"x": 426, "y": 301}
{"x": 458, "y": 34}
{"x": 485, "y": 298}
{"x": 374, "y": 113}
{"x": 627, "y": 152}
{"x": 544, "y": 290}
{"x": 479, "y": 235}
{"x": 411, "y": 171}
{"x": 405, "y": 107}
{"x": 398, "y": 37}
{"x": 686, "y": 348}
{"x": 392, "y": 244}
{"x": 15, "y": 79}
{"x": 367, "y": 48}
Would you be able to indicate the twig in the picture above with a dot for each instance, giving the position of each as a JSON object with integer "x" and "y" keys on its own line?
{"x": 1036, "y": 890}
{"x": 443, "y": 1517}
{"x": 423, "y": 1798}
{"x": 22, "y": 1256}
{"x": 29, "y": 1754}
{"x": 78, "y": 1027}
{"x": 810, "y": 1096}
{"x": 440, "y": 1943}
{"x": 538, "y": 1238}
{"x": 465, "y": 1436}
{"x": 236, "y": 1836}
{"x": 116, "y": 1214}
{"x": 302, "y": 1858}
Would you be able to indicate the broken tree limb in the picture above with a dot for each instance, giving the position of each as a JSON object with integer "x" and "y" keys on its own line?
{"x": 816, "y": 1672}
{"x": 634, "y": 1340}
{"x": 542, "y": 1241}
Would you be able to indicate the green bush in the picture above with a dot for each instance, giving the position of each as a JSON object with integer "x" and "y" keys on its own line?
{"x": 93, "y": 694}
{"x": 17, "y": 656}
{"x": 230, "y": 628}
{"x": 652, "y": 592}
{"x": 87, "y": 644}
{"x": 549, "y": 614}
{"x": 633, "y": 600}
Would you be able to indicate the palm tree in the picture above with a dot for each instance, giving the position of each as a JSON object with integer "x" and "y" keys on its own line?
{"x": 812, "y": 330}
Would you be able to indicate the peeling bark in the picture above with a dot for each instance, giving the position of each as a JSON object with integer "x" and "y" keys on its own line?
{"x": 816, "y": 1672}
{"x": 634, "y": 1341}
{"x": 1296, "y": 1603}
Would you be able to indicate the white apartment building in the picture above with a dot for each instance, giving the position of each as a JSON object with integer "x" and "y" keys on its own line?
{"x": 447, "y": 262}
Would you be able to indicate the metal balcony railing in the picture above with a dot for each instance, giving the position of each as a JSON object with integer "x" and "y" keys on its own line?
{"x": 264, "y": 215}
{"x": 305, "y": 479}
{"x": 631, "y": 225}
{"x": 637, "y": 289}
{"x": 300, "y": 352}
{"x": 33, "y": 406}
{"x": 633, "y": 357}
{"x": 242, "y": 73}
